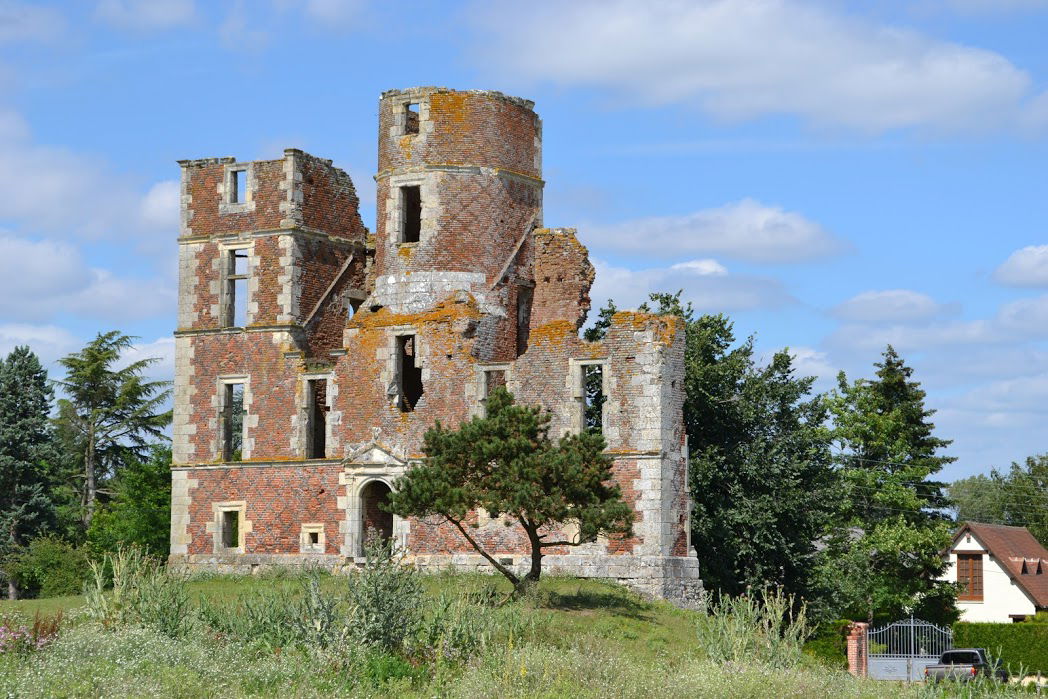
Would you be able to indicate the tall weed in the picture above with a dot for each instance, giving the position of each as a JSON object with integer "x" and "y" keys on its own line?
{"x": 386, "y": 598}
{"x": 755, "y": 629}
{"x": 143, "y": 592}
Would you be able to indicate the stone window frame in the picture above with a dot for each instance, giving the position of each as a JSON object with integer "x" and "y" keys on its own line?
{"x": 395, "y": 217}
{"x": 576, "y": 379}
{"x": 481, "y": 383}
{"x": 304, "y": 408}
{"x": 355, "y": 512}
{"x": 220, "y": 402}
{"x": 244, "y": 526}
{"x": 226, "y": 188}
{"x": 228, "y": 276}
{"x": 400, "y": 116}
{"x": 393, "y": 350}
{"x": 304, "y": 545}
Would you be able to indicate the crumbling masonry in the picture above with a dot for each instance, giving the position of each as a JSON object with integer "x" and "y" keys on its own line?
{"x": 312, "y": 355}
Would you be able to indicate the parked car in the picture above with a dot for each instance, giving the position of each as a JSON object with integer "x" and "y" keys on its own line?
{"x": 964, "y": 665}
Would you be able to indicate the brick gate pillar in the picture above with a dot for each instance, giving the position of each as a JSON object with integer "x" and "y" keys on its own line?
{"x": 856, "y": 641}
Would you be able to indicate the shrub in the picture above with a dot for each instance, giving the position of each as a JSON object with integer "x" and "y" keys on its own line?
{"x": 456, "y": 628}
{"x": 746, "y": 629}
{"x": 386, "y": 598}
{"x": 1015, "y": 645}
{"x": 828, "y": 643}
{"x": 50, "y": 567}
{"x": 143, "y": 592}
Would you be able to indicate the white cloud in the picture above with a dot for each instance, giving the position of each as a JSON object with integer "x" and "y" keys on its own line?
{"x": 1025, "y": 267}
{"x": 334, "y": 13}
{"x": 146, "y": 15}
{"x": 986, "y": 7}
{"x": 43, "y": 279}
{"x": 745, "y": 230}
{"x": 23, "y": 22}
{"x": 890, "y": 306}
{"x": 237, "y": 33}
{"x": 57, "y": 190}
{"x": 706, "y": 283}
{"x": 161, "y": 349}
{"x": 49, "y": 342}
{"x": 742, "y": 59}
{"x": 161, "y": 205}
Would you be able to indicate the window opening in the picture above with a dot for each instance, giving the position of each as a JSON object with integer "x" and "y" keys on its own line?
{"x": 375, "y": 520}
{"x": 524, "y": 295}
{"x": 493, "y": 378}
{"x": 317, "y": 433}
{"x": 970, "y": 577}
{"x": 237, "y": 273}
{"x": 411, "y": 118}
{"x": 411, "y": 214}
{"x": 409, "y": 373}
{"x": 593, "y": 397}
{"x": 233, "y": 422}
{"x": 314, "y": 538}
{"x": 231, "y": 529}
{"x": 237, "y": 183}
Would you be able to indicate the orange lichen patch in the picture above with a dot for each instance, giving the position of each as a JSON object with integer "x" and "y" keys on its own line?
{"x": 406, "y": 142}
{"x": 453, "y": 107}
{"x": 555, "y": 333}
{"x": 664, "y": 327}
{"x": 565, "y": 235}
{"x": 447, "y": 311}
{"x": 406, "y": 251}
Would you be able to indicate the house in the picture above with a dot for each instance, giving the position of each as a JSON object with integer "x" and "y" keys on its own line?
{"x": 312, "y": 354}
{"x": 1003, "y": 571}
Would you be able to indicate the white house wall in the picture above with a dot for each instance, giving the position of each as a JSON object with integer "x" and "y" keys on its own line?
{"x": 1002, "y": 597}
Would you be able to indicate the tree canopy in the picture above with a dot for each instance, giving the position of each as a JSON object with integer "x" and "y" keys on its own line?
{"x": 506, "y": 464}
{"x": 1017, "y": 497}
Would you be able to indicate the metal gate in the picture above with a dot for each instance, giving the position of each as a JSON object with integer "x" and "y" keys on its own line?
{"x": 901, "y": 650}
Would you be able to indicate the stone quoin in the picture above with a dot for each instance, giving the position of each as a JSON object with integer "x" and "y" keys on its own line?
{"x": 312, "y": 354}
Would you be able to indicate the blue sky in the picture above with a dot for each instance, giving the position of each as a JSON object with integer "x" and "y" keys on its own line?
{"x": 834, "y": 176}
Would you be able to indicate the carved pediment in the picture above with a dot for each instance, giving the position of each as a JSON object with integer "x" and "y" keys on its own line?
{"x": 374, "y": 454}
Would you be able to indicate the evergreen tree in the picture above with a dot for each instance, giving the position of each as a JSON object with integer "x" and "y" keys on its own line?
{"x": 506, "y": 464}
{"x": 25, "y": 448}
{"x": 761, "y": 474}
{"x": 110, "y": 414}
{"x": 891, "y": 525}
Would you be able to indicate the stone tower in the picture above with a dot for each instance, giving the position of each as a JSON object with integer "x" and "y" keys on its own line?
{"x": 295, "y": 416}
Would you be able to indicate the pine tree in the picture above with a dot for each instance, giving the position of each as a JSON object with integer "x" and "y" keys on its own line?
{"x": 506, "y": 464}
{"x": 892, "y": 526}
{"x": 25, "y": 448}
{"x": 111, "y": 414}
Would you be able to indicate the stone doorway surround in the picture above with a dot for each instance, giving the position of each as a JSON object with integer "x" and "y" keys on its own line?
{"x": 372, "y": 462}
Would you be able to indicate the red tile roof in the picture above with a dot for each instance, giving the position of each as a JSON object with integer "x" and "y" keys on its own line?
{"x": 1011, "y": 546}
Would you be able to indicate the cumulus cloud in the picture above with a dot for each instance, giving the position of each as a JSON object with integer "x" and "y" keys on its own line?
{"x": 890, "y": 306}
{"x": 706, "y": 283}
{"x": 338, "y": 14}
{"x": 54, "y": 189}
{"x": 745, "y": 230}
{"x": 49, "y": 342}
{"x": 146, "y": 15}
{"x": 1025, "y": 267}
{"x": 742, "y": 59}
{"x": 161, "y": 349}
{"x": 21, "y": 21}
{"x": 46, "y": 278}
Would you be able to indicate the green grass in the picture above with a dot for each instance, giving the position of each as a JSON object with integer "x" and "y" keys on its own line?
{"x": 588, "y": 639}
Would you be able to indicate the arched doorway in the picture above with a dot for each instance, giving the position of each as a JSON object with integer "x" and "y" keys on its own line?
{"x": 373, "y": 517}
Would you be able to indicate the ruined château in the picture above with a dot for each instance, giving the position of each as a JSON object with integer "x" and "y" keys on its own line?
{"x": 312, "y": 354}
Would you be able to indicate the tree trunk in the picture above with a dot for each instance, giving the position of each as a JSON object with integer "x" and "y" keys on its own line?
{"x": 90, "y": 487}
{"x": 536, "y": 558}
{"x": 12, "y": 589}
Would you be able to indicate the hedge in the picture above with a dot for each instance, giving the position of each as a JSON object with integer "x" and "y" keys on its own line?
{"x": 1015, "y": 645}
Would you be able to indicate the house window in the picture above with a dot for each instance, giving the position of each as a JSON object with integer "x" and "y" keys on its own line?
{"x": 230, "y": 524}
{"x": 237, "y": 186}
{"x": 409, "y": 373}
{"x": 312, "y": 539}
{"x": 235, "y": 301}
{"x": 232, "y": 421}
{"x": 410, "y": 214}
{"x": 316, "y": 420}
{"x": 411, "y": 118}
{"x": 970, "y": 577}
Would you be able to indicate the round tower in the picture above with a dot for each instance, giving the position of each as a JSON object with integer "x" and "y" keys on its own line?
{"x": 459, "y": 188}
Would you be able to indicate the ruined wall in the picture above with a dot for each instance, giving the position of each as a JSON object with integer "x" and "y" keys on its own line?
{"x": 484, "y": 288}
